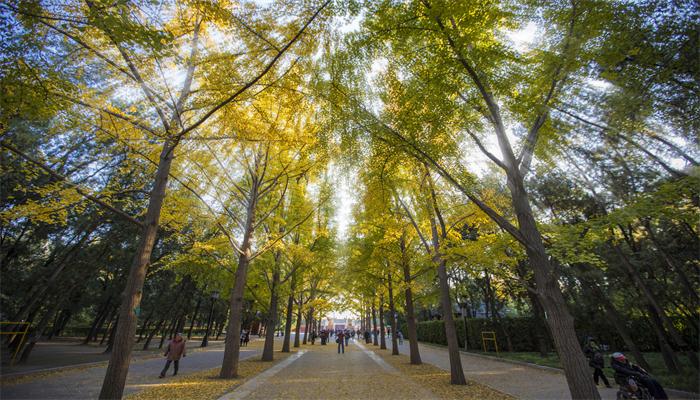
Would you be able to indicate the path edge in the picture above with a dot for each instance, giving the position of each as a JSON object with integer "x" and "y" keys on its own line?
{"x": 251, "y": 384}
{"x": 69, "y": 368}
{"x": 673, "y": 392}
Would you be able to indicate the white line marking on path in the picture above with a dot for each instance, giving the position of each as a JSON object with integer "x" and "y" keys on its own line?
{"x": 377, "y": 359}
{"x": 248, "y": 387}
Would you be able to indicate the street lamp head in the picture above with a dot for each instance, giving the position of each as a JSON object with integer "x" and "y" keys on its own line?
{"x": 215, "y": 295}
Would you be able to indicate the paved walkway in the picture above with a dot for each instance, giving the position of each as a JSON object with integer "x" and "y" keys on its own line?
{"x": 323, "y": 373}
{"x": 520, "y": 381}
{"x": 86, "y": 383}
{"x": 62, "y": 352}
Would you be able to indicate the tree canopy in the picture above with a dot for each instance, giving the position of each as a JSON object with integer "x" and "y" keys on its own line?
{"x": 277, "y": 161}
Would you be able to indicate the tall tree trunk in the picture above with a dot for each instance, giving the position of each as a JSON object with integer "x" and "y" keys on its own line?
{"x": 150, "y": 336}
{"x": 369, "y": 323}
{"x": 672, "y": 362}
{"x": 657, "y": 309}
{"x": 375, "y": 333}
{"x": 560, "y": 321}
{"x": 38, "y": 331}
{"x": 37, "y": 293}
{"x": 112, "y": 318}
{"x": 617, "y": 320}
{"x": 456, "y": 372}
{"x": 229, "y": 368}
{"x": 288, "y": 321}
{"x": 110, "y": 343}
{"x": 682, "y": 277}
{"x": 309, "y": 316}
{"x": 194, "y": 317}
{"x": 115, "y": 377}
{"x": 410, "y": 312}
{"x": 144, "y": 327}
{"x": 393, "y": 319}
{"x": 593, "y": 289}
{"x": 164, "y": 333}
{"x": 268, "y": 350}
{"x": 382, "y": 337}
{"x": 541, "y": 330}
{"x": 99, "y": 317}
{"x": 297, "y": 329}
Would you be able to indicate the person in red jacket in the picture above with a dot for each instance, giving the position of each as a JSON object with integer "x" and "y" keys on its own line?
{"x": 175, "y": 350}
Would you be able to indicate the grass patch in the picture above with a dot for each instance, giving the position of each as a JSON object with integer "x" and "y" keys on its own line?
{"x": 205, "y": 384}
{"x": 437, "y": 380}
{"x": 688, "y": 380}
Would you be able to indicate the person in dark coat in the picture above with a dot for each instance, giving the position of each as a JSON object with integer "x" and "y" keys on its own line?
{"x": 340, "y": 338}
{"x": 176, "y": 349}
{"x": 624, "y": 370}
{"x": 596, "y": 361}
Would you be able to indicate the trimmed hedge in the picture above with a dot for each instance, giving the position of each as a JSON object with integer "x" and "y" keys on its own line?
{"x": 522, "y": 332}
{"x": 519, "y": 329}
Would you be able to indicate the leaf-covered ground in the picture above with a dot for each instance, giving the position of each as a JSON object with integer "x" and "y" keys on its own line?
{"x": 323, "y": 373}
{"x": 206, "y": 384}
{"x": 438, "y": 381}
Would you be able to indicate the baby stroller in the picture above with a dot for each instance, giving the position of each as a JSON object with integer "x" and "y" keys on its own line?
{"x": 630, "y": 388}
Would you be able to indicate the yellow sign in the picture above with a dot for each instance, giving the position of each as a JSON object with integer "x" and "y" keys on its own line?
{"x": 16, "y": 326}
{"x": 489, "y": 336}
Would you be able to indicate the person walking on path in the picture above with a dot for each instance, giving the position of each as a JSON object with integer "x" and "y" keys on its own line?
{"x": 596, "y": 361}
{"x": 346, "y": 334}
{"x": 399, "y": 336}
{"x": 175, "y": 350}
{"x": 340, "y": 339}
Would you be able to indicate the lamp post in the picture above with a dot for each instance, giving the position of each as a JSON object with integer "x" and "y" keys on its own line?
{"x": 214, "y": 296}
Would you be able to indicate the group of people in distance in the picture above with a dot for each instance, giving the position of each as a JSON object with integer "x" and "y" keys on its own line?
{"x": 342, "y": 337}
{"x": 629, "y": 376}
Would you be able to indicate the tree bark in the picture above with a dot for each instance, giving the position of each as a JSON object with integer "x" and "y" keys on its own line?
{"x": 229, "y": 368}
{"x": 393, "y": 319}
{"x": 115, "y": 377}
{"x": 110, "y": 324}
{"x": 288, "y": 321}
{"x": 194, "y": 317}
{"x": 382, "y": 336}
{"x": 456, "y": 372}
{"x": 38, "y": 331}
{"x": 99, "y": 317}
{"x": 110, "y": 343}
{"x": 375, "y": 333}
{"x": 150, "y": 336}
{"x": 297, "y": 329}
{"x": 268, "y": 350}
{"x": 37, "y": 292}
{"x": 657, "y": 309}
{"x": 410, "y": 312}
{"x": 308, "y": 324}
{"x": 560, "y": 321}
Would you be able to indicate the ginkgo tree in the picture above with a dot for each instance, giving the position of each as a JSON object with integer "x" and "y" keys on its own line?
{"x": 552, "y": 174}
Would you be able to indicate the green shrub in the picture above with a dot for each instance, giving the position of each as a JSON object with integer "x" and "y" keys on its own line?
{"x": 522, "y": 332}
